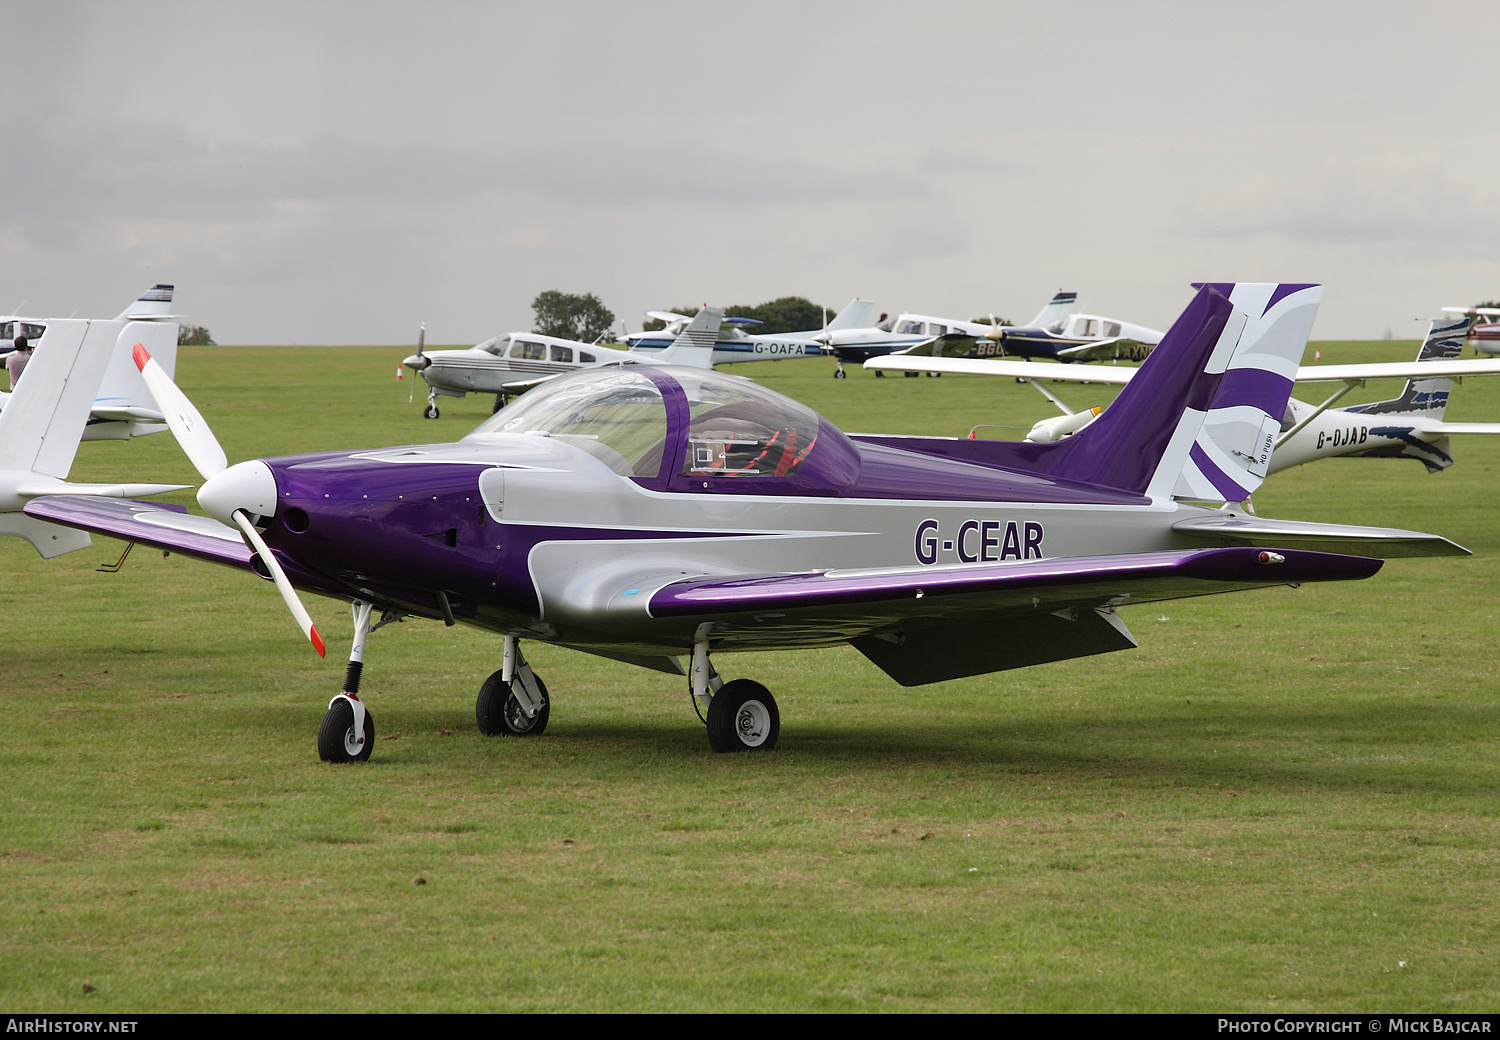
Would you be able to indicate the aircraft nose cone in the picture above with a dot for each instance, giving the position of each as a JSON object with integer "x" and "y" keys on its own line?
{"x": 417, "y": 362}
{"x": 249, "y": 486}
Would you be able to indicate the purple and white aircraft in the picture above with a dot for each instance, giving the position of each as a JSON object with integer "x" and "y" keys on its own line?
{"x": 654, "y": 513}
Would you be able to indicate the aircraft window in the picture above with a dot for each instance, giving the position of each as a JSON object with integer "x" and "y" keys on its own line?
{"x": 1111, "y": 328}
{"x": 739, "y": 429}
{"x": 934, "y": 329}
{"x": 528, "y": 351}
{"x": 564, "y": 354}
{"x": 1087, "y": 328}
{"x": 911, "y": 328}
{"x": 10, "y": 329}
{"x": 586, "y": 357}
{"x": 614, "y": 415}
{"x": 1288, "y": 419}
{"x": 494, "y": 346}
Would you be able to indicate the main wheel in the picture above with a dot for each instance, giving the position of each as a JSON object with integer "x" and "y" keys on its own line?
{"x": 337, "y": 741}
{"x": 499, "y": 713}
{"x": 430, "y": 412}
{"x": 499, "y": 403}
{"x": 743, "y": 717}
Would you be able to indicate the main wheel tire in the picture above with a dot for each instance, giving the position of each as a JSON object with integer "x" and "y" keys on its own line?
{"x": 499, "y": 714}
{"x": 430, "y": 412}
{"x": 336, "y": 737}
{"x": 743, "y": 717}
{"x": 499, "y": 403}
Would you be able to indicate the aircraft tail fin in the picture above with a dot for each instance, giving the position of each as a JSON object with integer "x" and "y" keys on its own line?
{"x": 45, "y": 416}
{"x": 155, "y": 304}
{"x": 1059, "y": 308}
{"x": 1232, "y": 452}
{"x": 1426, "y": 398}
{"x": 855, "y": 315}
{"x": 694, "y": 345}
{"x": 123, "y": 392}
{"x": 1143, "y": 440}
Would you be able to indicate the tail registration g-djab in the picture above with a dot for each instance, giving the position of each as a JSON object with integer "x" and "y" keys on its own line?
{"x": 661, "y": 516}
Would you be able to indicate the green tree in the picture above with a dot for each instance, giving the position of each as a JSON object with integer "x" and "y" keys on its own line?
{"x": 788, "y": 314}
{"x": 566, "y": 316}
{"x": 193, "y": 336}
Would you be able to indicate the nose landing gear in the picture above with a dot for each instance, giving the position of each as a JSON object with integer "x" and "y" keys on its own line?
{"x": 348, "y": 730}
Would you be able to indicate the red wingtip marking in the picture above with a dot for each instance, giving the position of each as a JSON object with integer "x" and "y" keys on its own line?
{"x": 140, "y": 355}
{"x": 317, "y": 642}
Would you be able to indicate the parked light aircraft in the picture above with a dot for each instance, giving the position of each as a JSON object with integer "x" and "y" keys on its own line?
{"x": 1484, "y": 336}
{"x": 507, "y": 365}
{"x": 647, "y": 512}
{"x": 45, "y": 418}
{"x": 1408, "y": 426}
{"x": 1054, "y": 333}
{"x": 124, "y": 407}
{"x": 735, "y": 344}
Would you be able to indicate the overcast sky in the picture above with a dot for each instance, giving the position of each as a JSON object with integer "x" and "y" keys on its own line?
{"x": 331, "y": 173}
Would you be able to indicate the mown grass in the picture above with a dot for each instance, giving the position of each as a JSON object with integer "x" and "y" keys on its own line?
{"x": 1284, "y": 800}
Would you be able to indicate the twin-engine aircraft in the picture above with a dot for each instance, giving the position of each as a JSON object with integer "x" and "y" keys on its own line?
{"x": 1056, "y": 333}
{"x": 735, "y": 344}
{"x": 513, "y": 364}
{"x": 1408, "y": 426}
{"x": 662, "y": 515}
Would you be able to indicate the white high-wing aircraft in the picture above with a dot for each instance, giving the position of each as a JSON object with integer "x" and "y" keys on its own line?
{"x": 1484, "y": 336}
{"x": 735, "y": 344}
{"x": 45, "y": 420}
{"x": 1054, "y": 333}
{"x": 508, "y": 365}
{"x": 1408, "y": 426}
{"x": 123, "y": 407}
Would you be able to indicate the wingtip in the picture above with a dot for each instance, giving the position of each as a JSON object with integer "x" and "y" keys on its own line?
{"x": 142, "y": 358}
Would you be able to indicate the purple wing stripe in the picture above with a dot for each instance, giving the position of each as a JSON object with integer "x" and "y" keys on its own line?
{"x": 1232, "y": 566}
{"x": 1221, "y": 481}
{"x": 120, "y": 518}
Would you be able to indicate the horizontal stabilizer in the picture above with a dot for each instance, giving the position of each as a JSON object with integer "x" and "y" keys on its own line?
{"x": 62, "y": 487}
{"x": 126, "y": 413}
{"x": 1384, "y": 543}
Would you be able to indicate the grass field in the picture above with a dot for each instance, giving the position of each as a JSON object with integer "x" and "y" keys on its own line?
{"x": 1285, "y": 800}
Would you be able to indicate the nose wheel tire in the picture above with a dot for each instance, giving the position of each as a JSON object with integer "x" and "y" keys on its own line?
{"x": 839, "y": 373}
{"x": 337, "y": 741}
{"x": 499, "y": 713}
{"x": 430, "y": 412}
{"x": 743, "y": 717}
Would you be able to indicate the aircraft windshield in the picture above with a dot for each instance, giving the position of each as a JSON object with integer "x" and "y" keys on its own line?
{"x": 614, "y": 415}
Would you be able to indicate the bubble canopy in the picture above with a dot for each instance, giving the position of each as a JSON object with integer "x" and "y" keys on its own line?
{"x": 687, "y": 429}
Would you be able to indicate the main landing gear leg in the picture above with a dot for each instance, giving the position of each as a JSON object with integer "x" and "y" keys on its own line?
{"x": 742, "y": 715}
{"x": 513, "y": 702}
{"x": 348, "y": 730}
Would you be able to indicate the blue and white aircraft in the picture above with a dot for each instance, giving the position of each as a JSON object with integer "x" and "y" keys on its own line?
{"x": 735, "y": 344}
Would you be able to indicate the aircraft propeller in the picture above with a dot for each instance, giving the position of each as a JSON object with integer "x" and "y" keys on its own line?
{"x": 233, "y": 494}
{"x": 421, "y": 360}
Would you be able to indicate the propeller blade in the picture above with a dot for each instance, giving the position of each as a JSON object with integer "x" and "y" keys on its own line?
{"x": 421, "y": 342}
{"x": 288, "y": 594}
{"x": 187, "y": 425}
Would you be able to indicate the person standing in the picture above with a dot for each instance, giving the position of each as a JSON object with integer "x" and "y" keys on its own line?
{"x": 16, "y": 363}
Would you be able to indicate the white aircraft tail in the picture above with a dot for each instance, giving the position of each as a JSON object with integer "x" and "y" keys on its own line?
{"x": 1426, "y": 398}
{"x": 1232, "y": 452}
{"x": 155, "y": 304}
{"x": 1059, "y": 308}
{"x": 855, "y": 315}
{"x": 694, "y": 345}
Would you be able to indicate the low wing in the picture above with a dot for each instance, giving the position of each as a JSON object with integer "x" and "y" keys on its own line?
{"x": 927, "y": 625}
{"x": 1106, "y": 350}
{"x": 156, "y": 524}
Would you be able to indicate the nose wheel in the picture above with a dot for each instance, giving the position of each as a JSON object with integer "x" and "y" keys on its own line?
{"x": 343, "y": 740}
